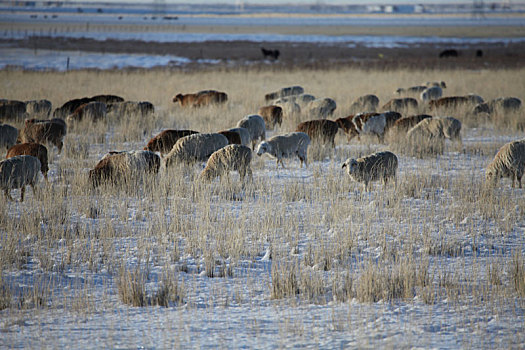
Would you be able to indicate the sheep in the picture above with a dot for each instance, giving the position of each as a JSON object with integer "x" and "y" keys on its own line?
{"x": 291, "y": 109}
{"x": 244, "y": 134}
{"x": 12, "y": 110}
{"x": 287, "y": 145}
{"x": 233, "y": 137}
{"x": 349, "y": 128}
{"x": 375, "y": 123}
{"x": 59, "y": 121}
{"x": 130, "y": 108}
{"x": 43, "y": 132}
{"x": 427, "y": 137}
{"x": 376, "y": 166}
{"x": 451, "y": 128}
{"x": 454, "y": 102}
{"x": 38, "y": 108}
{"x": 303, "y": 99}
{"x": 320, "y": 108}
{"x": 94, "y": 111}
{"x": 166, "y": 139}
{"x": 431, "y": 93}
{"x": 272, "y": 115}
{"x": 31, "y": 149}
{"x": 18, "y": 172}
{"x": 196, "y": 147}
{"x": 255, "y": 125}
{"x": 441, "y": 84}
{"x": 107, "y": 99}
{"x": 69, "y": 107}
{"x": 366, "y": 103}
{"x": 8, "y": 135}
{"x": 201, "y": 98}
{"x": 508, "y": 162}
{"x": 284, "y": 92}
{"x": 117, "y": 167}
{"x": 226, "y": 159}
{"x": 321, "y": 130}
{"x": 411, "y": 91}
{"x": 505, "y": 104}
{"x": 400, "y": 105}
{"x": 402, "y": 125}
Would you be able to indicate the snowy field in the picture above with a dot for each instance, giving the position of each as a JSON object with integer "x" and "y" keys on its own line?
{"x": 297, "y": 258}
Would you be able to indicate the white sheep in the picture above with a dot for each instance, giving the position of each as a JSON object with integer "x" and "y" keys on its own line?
{"x": 366, "y": 103}
{"x": 244, "y": 134}
{"x": 229, "y": 158}
{"x": 377, "y": 166}
{"x": 427, "y": 137}
{"x": 508, "y": 162}
{"x": 287, "y": 145}
{"x": 196, "y": 147}
{"x": 18, "y": 172}
{"x": 320, "y": 108}
{"x": 451, "y": 128}
{"x": 291, "y": 109}
{"x": 8, "y": 136}
{"x": 254, "y": 123}
{"x": 431, "y": 93}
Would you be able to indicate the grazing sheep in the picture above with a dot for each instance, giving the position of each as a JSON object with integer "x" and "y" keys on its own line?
{"x": 401, "y": 105}
{"x": 69, "y": 107}
{"x": 303, "y": 99}
{"x": 94, "y": 111}
{"x": 411, "y": 91}
{"x": 38, "y": 109}
{"x": 166, "y": 139}
{"x": 201, "y": 98}
{"x": 284, "y": 92}
{"x": 122, "y": 167}
{"x": 291, "y": 109}
{"x": 349, "y": 128}
{"x": 451, "y": 128}
{"x": 18, "y": 172}
{"x": 321, "y": 130}
{"x": 196, "y": 147}
{"x": 107, "y": 99}
{"x": 427, "y": 137}
{"x": 12, "y": 110}
{"x": 226, "y": 159}
{"x": 31, "y": 149}
{"x": 454, "y": 102}
{"x": 272, "y": 115}
{"x": 255, "y": 125}
{"x": 244, "y": 134}
{"x": 375, "y": 123}
{"x": 377, "y": 166}
{"x": 8, "y": 135}
{"x": 287, "y": 145}
{"x": 402, "y": 125}
{"x": 130, "y": 108}
{"x": 233, "y": 137}
{"x": 431, "y": 93}
{"x": 320, "y": 108}
{"x": 441, "y": 84}
{"x": 366, "y": 103}
{"x": 43, "y": 132}
{"x": 508, "y": 162}
{"x": 505, "y": 105}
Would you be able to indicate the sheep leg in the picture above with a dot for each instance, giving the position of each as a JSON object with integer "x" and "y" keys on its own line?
{"x": 59, "y": 146}
{"x": 22, "y": 193}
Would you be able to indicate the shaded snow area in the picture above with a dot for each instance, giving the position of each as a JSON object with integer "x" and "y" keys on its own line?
{"x": 300, "y": 257}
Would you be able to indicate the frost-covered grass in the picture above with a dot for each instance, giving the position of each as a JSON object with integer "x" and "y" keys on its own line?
{"x": 299, "y": 257}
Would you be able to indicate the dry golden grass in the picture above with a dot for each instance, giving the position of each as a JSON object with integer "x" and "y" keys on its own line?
{"x": 440, "y": 236}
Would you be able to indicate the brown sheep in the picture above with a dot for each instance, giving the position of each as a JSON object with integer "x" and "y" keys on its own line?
{"x": 107, "y": 98}
{"x": 402, "y": 125}
{"x": 201, "y": 98}
{"x": 43, "y": 132}
{"x": 454, "y": 102}
{"x": 272, "y": 115}
{"x": 69, "y": 107}
{"x": 31, "y": 149}
{"x": 322, "y": 130}
{"x": 401, "y": 105}
{"x": 233, "y": 137}
{"x": 164, "y": 141}
{"x": 347, "y": 125}
{"x": 94, "y": 111}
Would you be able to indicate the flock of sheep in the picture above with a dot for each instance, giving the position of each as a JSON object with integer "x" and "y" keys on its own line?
{"x": 231, "y": 149}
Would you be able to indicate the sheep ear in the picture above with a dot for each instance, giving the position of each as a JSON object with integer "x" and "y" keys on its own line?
{"x": 344, "y": 165}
